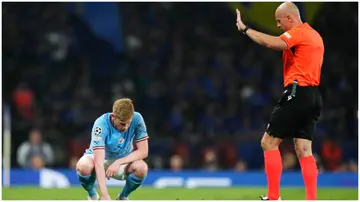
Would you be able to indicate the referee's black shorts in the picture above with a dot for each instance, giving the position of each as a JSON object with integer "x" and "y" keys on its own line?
{"x": 295, "y": 115}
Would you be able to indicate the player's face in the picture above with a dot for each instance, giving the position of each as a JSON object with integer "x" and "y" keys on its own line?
{"x": 123, "y": 126}
{"x": 120, "y": 125}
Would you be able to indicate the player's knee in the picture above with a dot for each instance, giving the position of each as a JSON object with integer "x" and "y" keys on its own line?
{"x": 84, "y": 168}
{"x": 140, "y": 169}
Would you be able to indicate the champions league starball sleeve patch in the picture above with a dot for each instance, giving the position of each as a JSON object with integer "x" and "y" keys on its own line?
{"x": 97, "y": 139}
{"x": 97, "y": 131}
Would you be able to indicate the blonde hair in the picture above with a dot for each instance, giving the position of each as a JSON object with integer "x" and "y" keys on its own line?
{"x": 123, "y": 109}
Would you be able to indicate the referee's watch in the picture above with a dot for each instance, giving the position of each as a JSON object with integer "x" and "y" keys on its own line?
{"x": 246, "y": 29}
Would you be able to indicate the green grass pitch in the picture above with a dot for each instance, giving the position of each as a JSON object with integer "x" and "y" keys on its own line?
{"x": 148, "y": 193}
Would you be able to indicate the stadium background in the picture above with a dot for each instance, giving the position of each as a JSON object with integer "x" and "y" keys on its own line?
{"x": 205, "y": 90}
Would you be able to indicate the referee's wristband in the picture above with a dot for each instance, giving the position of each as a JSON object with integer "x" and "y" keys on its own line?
{"x": 245, "y": 30}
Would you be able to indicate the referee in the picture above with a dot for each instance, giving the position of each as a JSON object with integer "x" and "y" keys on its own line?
{"x": 295, "y": 115}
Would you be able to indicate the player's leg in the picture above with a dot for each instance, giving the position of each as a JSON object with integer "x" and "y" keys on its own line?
{"x": 137, "y": 172}
{"x": 86, "y": 176}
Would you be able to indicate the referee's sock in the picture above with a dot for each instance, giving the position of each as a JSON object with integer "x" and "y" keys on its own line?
{"x": 273, "y": 169}
{"x": 310, "y": 173}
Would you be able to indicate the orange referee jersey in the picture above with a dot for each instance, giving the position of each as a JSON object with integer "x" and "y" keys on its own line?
{"x": 304, "y": 57}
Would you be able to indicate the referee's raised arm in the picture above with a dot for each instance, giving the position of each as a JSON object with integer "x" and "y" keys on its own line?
{"x": 263, "y": 39}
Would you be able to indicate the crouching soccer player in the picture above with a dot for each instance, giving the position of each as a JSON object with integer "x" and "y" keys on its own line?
{"x": 111, "y": 152}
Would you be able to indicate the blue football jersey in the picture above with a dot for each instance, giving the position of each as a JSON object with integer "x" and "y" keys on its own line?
{"x": 117, "y": 144}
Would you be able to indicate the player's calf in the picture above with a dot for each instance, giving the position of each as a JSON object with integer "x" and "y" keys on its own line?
{"x": 137, "y": 174}
{"x": 84, "y": 168}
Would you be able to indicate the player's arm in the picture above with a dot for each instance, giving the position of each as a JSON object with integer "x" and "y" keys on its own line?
{"x": 99, "y": 133}
{"x": 139, "y": 154}
{"x": 99, "y": 157}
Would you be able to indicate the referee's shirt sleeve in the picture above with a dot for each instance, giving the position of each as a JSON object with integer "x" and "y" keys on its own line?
{"x": 291, "y": 37}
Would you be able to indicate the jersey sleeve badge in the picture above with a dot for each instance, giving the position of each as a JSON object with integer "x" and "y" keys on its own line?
{"x": 97, "y": 131}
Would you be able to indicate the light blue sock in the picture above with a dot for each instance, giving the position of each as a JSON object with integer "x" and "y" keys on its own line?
{"x": 132, "y": 183}
{"x": 87, "y": 182}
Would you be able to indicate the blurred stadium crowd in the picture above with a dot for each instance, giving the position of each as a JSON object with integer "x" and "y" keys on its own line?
{"x": 205, "y": 90}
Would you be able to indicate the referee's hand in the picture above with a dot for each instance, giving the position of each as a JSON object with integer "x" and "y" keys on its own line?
{"x": 240, "y": 25}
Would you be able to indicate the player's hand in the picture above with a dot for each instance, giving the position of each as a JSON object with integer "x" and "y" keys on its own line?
{"x": 105, "y": 197}
{"x": 112, "y": 169}
{"x": 240, "y": 25}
